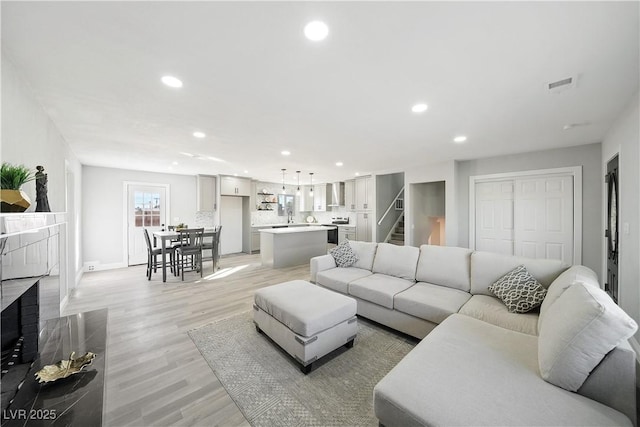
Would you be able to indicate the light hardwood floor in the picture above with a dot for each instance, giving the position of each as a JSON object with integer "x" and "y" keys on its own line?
{"x": 155, "y": 375}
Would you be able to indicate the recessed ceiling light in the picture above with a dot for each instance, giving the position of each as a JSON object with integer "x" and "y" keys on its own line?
{"x": 246, "y": 171}
{"x": 172, "y": 81}
{"x": 198, "y": 134}
{"x": 316, "y": 31}
{"x": 357, "y": 173}
{"x": 174, "y": 163}
{"x": 459, "y": 139}
{"x": 187, "y": 154}
{"x": 285, "y": 153}
{"x": 235, "y": 174}
{"x": 419, "y": 108}
{"x": 339, "y": 164}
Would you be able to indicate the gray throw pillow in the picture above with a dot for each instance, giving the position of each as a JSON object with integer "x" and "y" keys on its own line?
{"x": 344, "y": 255}
{"x": 519, "y": 290}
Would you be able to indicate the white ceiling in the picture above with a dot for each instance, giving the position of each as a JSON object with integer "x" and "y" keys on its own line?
{"x": 256, "y": 86}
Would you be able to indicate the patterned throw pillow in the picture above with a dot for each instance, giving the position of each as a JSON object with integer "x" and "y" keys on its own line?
{"x": 519, "y": 290}
{"x": 344, "y": 255}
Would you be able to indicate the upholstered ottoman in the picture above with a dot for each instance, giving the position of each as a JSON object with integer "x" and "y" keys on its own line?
{"x": 307, "y": 321}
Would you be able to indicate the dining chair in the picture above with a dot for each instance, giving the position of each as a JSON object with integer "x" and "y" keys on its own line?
{"x": 152, "y": 256}
{"x": 208, "y": 245}
{"x": 189, "y": 252}
{"x": 216, "y": 248}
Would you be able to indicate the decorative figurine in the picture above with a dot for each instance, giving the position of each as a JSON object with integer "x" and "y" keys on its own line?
{"x": 42, "y": 202}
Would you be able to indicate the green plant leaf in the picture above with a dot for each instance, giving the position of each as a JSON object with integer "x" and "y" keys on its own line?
{"x": 12, "y": 177}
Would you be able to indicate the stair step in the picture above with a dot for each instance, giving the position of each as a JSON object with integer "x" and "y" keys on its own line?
{"x": 396, "y": 236}
{"x": 397, "y": 242}
{"x": 399, "y": 230}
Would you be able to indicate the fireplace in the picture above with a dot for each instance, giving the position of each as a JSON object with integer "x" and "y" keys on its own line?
{"x": 30, "y": 292}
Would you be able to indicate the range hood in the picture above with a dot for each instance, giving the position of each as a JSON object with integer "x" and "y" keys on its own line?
{"x": 337, "y": 194}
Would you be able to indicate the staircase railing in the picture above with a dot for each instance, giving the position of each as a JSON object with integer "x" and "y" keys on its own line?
{"x": 393, "y": 228}
{"x": 393, "y": 203}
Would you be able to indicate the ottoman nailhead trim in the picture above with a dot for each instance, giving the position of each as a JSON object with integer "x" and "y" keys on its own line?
{"x": 309, "y": 341}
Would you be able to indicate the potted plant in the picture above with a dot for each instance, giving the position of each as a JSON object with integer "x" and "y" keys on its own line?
{"x": 12, "y": 177}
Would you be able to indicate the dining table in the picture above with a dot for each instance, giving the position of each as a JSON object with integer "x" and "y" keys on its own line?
{"x": 169, "y": 236}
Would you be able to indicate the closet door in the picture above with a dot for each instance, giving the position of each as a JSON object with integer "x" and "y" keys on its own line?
{"x": 494, "y": 217}
{"x": 543, "y": 217}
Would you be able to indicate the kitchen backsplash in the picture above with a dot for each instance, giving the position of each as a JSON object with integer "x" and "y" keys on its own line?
{"x": 204, "y": 219}
{"x": 271, "y": 217}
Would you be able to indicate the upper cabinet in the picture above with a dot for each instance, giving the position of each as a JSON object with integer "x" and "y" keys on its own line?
{"x": 305, "y": 200}
{"x": 206, "y": 191}
{"x": 234, "y": 186}
{"x": 363, "y": 193}
{"x": 350, "y": 195}
{"x": 320, "y": 197}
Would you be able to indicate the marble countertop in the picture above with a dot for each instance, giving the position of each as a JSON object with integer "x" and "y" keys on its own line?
{"x": 289, "y": 230}
{"x": 283, "y": 224}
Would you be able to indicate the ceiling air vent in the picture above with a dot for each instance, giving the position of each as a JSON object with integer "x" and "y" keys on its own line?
{"x": 561, "y": 85}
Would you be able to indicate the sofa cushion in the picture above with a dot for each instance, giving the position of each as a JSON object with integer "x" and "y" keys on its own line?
{"x": 398, "y": 261}
{"x": 487, "y": 267}
{"x": 492, "y": 310}
{"x": 469, "y": 372}
{"x": 576, "y": 273}
{"x": 338, "y": 279}
{"x": 445, "y": 265}
{"x": 379, "y": 288}
{"x": 576, "y": 333}
{"x": 344, "y": 255}
{"x": 519, "y": 290}
{"x": 430, "y": 302}
{"x": 365, "y": 251}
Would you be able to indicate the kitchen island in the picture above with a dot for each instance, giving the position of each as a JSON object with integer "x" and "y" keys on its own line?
{"x": 285, "y": 247}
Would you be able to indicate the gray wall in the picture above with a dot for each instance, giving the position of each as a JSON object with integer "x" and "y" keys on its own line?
{"x": 588, "y": 156}
{"x": 387, "y": 188}
{"x": 103, "y": 210}
{"x": 624, "y": 138}
{"x": 30, "y": 137}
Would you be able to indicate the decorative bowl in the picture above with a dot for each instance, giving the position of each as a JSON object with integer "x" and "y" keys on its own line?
{"x": 64, "y": 368}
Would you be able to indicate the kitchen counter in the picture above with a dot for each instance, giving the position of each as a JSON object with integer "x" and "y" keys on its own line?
{"x": 283, "y": 224}
{"x": 289, "y": 246}
{"x": 288, "y": 230}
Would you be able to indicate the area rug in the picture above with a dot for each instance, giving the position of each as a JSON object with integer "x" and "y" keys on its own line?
{"x": 269, "y": 388}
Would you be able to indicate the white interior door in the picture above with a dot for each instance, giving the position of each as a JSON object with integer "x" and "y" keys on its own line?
{"x": 494, "y": 217}
{"x": 146, "y": 208}
{"x": 231, "y": 222}
{"x": 544, "y": 218}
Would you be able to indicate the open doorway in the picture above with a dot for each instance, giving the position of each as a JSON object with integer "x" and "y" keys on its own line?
{"x": 428, "y": 213}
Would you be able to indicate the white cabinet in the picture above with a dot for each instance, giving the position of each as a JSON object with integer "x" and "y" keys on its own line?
{"x": 320, "y": 198}
{"x": 305, "y": 200}
{"x": 363, "y": 193}
{"x": 350, "y": 195}
{"x": 234, "y": 186}
{"x": 364, "y": 225}
{"x": 346, "y": 233}
{"x": 206, "y": 185}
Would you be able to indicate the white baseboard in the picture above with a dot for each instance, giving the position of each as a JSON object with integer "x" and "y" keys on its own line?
{"x": 63, "y": 303}
{"x": 111, "y": 266}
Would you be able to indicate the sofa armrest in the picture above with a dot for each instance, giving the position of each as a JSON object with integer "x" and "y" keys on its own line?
{"x": 321, "y": 263}
{"x": 613, "y": 381}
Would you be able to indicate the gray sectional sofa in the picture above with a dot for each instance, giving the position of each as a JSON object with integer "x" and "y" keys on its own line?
{"x": 478, "y": 363}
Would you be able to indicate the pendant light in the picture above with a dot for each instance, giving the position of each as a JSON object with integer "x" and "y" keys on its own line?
{"x": 298, "y": 190}
{"x": 284, "y": 190}
{"x": 311, "y": 190}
